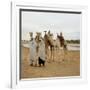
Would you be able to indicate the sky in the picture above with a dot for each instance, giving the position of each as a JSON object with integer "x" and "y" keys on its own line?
{"x": 68, "y": 24}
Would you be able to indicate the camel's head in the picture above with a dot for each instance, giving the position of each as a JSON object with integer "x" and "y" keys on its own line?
{"x": 31, "y": 34}
{"x": 49, "y": 32}
{"x": 61, "y": 34}
{"x": 38, "y": 37}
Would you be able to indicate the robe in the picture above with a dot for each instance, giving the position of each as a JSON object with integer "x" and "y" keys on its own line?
{"x": 32, "y": 51}
{"x": 42, "y": 50}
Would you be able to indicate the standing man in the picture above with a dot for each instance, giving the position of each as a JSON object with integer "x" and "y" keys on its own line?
{"x": 32, "y": 49}
{"x": 42, "y": 55}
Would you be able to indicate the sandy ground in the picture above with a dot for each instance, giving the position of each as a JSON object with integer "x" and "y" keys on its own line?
{"x": 69, "y": 67}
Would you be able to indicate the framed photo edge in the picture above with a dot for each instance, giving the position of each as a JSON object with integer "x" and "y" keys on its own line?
{"x": 15, "y": 81}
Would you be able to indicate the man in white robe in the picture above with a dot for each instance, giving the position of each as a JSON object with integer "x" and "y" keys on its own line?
{"x": 32, "y": 51}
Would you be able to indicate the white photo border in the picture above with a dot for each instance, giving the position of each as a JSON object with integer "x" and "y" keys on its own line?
{"x": 15, "y": 46}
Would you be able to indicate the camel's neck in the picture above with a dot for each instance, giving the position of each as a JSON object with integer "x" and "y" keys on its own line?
{"x": 61, "y": 39}
{"x": 48, "y": 41}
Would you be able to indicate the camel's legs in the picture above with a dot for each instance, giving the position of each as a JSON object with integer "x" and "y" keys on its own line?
{"x": 47, "y": 54}
{"x": 52, "y": 53}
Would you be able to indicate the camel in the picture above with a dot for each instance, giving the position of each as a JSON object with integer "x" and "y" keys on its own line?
{"x": 61, "y": 39}
{"x": 49, "y": 44}
{"x": 63, "y": 45}
{"x": 55, "y": 45}
{"x": 37, "y": 39}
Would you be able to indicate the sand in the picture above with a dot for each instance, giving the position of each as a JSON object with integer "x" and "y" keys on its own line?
{"x": 69, "y": 67}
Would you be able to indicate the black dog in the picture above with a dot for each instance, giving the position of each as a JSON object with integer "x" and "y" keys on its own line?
{"x": 41, "y": 62}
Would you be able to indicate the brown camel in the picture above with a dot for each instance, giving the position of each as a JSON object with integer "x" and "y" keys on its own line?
{"x": 63, "y": 44}
{"x": 49, "y": 44}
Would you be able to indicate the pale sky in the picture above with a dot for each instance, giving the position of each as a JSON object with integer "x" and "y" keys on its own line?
{"x": 69, "y": 24}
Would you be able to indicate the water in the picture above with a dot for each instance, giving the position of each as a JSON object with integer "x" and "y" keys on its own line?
{"x": 74, "y": 47}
